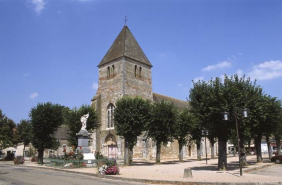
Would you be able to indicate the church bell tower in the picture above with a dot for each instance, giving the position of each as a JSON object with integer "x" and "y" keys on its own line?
{"x": 124, "y": 71}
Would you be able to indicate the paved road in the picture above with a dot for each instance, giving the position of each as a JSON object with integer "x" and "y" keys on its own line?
{"x": 270, "y": 171}
{"x": 13, "y": 175}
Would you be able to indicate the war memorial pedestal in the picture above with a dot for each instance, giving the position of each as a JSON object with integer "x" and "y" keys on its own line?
{"x": 88, "y": 157}
{"x": 83, "y": 138}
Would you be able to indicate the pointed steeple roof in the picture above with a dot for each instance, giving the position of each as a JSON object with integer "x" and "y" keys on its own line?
{"x": 125, "y": 45}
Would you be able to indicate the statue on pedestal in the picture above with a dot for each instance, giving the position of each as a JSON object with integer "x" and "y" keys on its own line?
{"x": 83, "y": 120}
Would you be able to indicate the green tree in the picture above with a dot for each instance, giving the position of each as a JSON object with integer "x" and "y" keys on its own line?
{"x": 196, "y": 134}
{"x": 163, "y": 125}
{"x": 183, "y": 127}
{"x": 272, "y": 110}
{"x": 131, "y": 116}
{"x": 264, "y": 118}
{"x": 7, "y": 127}
{"x": 45, "y": 120}
{"x": 278, "y": 132}
{"x": 24, "y": 133}
{"x": 72, "y": 120}
{"x": 210, "y": 99}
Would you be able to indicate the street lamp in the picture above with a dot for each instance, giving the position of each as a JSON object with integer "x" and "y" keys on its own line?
{"x": 226, "y": 118}
{"x": 205, "y": 133}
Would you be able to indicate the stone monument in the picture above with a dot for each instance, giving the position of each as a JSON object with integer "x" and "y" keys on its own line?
{"x": 83, "y": 135}
{"x": 83, "y": 138}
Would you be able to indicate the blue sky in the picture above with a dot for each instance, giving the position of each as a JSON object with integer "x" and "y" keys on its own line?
{"x": 50, "y": 49}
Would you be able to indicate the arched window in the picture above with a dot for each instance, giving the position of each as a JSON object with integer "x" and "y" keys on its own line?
{"x": 140, "y": 69}
{"x": 136, "y": 71}
{"x": 113, "y": 67}
{"x": 108, "y": 73}
{"x": 111, "y": 120}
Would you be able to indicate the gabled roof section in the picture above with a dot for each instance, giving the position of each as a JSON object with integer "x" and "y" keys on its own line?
{"x": 125, "y": 45}
{"x": 178, "y": 103}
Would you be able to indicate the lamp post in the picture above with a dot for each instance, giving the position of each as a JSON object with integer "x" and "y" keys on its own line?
{"x": 226, "y": 118}
{"x": 205, "y": 133}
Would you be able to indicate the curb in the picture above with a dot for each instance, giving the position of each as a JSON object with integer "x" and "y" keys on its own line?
{"x": 159, "y": 181}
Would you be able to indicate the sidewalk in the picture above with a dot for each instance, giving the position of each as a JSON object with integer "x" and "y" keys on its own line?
{"x": 172, "y": 172}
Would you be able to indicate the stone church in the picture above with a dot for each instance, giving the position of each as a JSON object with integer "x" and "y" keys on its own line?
{"x": 126, "y": 71}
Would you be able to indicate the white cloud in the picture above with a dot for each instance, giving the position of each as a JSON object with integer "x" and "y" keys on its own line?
{"x": 240, "y": 73}
{"x": 95, "y": 86}
{"x": 220, "y": 65}
{"x": 26, "y": 74}
{"x": 33, "y": 95}
{"x": 267, "y": 70}
{"x": 39, "y": 5}
{"x": 198, "y": 79}
{"x": 179, "y": 85}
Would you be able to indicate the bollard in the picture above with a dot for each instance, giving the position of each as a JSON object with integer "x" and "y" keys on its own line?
{"x": 187, "y": 173}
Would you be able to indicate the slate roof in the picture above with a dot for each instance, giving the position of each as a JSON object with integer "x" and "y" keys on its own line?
{"x": 178, "y": 103}
{"x": 62, "y": 132}
{"x": 125, "y": 45}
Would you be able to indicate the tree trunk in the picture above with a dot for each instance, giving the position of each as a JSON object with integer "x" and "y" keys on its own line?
{"x": 243, "y": 152}
{"x": 130, "y": 156}
{"x": 199, "y": 157}
{"x": 249, "y": 146}
{"x": 268, "y": 147}
{"x": 222, "y": 157}
{"x": 158, "y": 153}
{"x": 244, "y": 157}
{"x": 40, "y": 156}
{"x": 212, "y": 148}
{"x": 126, "y": 152}
{"x": 180, "y": 152}
{"x": 258, "y": 148}
{"x": 277, "y": 138}
{"x": 23, "y": 150}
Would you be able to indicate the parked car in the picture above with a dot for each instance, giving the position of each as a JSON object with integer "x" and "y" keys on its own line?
{"x": 277, "y": 159}
{"x": 2, "y": 156}
{"x": 275, "y": 150}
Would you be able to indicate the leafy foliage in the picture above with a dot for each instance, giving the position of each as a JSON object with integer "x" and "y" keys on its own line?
{"x": 164, "y": 121}
{"x": 210, "y": 99}
{"x": 24, "y": 132}
{"x": 163, "y": 125}
{"x": 6, "y": 127}
{"x": 131, "y": 116}
{"x": 72, "y": 120}
{"x": 185, "y": 124}
{"x": 45, "y": 119}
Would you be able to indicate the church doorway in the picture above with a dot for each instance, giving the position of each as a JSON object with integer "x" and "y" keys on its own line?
{"x": 112, "y": 146}
{"x": 113, "y": 152}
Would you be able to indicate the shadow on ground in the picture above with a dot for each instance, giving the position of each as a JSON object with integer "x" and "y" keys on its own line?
{"x": 150, "y": 163}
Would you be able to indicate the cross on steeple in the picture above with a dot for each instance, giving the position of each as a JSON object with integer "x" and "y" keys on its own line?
{"x": 125, "y": 19}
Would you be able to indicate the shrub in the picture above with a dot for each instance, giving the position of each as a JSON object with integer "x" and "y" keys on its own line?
{"x": 98, "y": 155}
{"x": 108, "y": 166}
{"x": 34, "y": 159}
{"x": 19, "y": 160}
{"x": 72, "y": 155}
